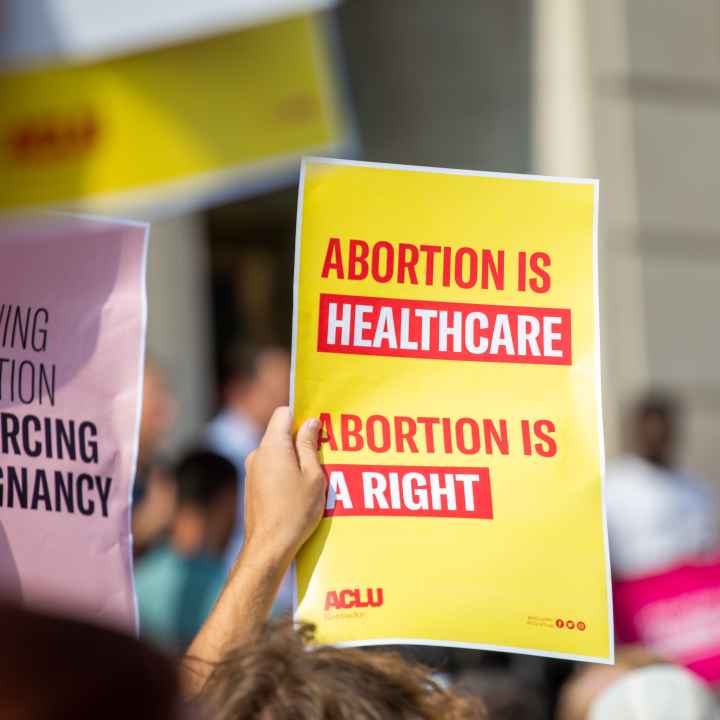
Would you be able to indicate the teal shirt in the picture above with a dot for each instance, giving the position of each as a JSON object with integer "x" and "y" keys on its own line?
{"x": 175, "y": 594}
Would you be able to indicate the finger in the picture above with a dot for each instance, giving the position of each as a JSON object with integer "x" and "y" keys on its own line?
{"x": 278, "y": 431}
{"x": 248, "y": 463}
{"x": 306, "y": 445}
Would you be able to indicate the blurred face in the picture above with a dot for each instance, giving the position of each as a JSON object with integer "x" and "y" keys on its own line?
{"x": 222, "y": 516}
{"x": 273, "y": 380}
{"x": 158, "y": 411}
{"x": 656, "y": 438}
{"x": 269, "y": 388}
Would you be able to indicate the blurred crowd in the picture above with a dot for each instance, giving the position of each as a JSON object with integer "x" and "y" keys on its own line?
{"x": 217, "y": 640}
{"x": 188, "y": 515}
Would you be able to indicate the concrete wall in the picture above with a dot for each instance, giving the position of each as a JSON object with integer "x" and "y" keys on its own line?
{"x": 674, "y": 88}
{"x": 443, "y": 84}
{"x": 650, "y": 79}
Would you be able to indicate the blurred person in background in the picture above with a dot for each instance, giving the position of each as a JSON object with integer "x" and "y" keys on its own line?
{"x": 658, "y": 515}
{"x": 664, "y": 542}
{"x": 255, "y": 381}
{"x": 154, "y": 489}
{"x": 178, "y": 581}
{"x": 589, "y": 681}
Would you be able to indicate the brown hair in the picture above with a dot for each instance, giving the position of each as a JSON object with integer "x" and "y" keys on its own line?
{"x": 280, "y": 678}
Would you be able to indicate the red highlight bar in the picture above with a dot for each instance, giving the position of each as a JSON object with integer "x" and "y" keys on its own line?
{"x": 444, "y": 331}
{"x": 395, "y": 490}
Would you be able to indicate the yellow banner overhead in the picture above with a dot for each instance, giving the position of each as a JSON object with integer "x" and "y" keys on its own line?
{"x": 183, "y": 124}
{"x": 446, "y": 335}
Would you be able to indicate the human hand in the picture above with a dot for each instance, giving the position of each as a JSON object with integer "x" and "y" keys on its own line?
{"x": 284, "y": 488}
{"x": 284, "y": 501}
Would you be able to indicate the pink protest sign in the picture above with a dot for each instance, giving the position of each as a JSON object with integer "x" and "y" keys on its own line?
{"x": 676, "y": 613}
{"x": 72, "y": 327}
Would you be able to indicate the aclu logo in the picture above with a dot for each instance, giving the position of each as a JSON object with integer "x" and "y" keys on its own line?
{"x": 51, "y": 138}
{"x": 353, "y": 598}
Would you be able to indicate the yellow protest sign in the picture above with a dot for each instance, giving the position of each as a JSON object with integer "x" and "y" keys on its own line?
{"x": 446, "y": 334}
{"x": 183, "y": 123}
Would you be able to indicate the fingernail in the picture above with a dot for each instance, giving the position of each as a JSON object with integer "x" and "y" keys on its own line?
{"x": 312, "y": 424}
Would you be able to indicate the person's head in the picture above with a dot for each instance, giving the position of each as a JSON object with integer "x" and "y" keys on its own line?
{"x": 158, "y": 409}
{"x": 206, "y": 503}
{"x": 280, "y": 678}
{"x": 61, "y": 668}
{"x": 655, "y": 421}
{"x": 256, "y": 380}
{"x": 590, "y": 681}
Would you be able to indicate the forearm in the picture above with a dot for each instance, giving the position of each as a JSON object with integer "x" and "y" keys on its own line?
{"x": 284, "y": 502}
{"x": 239, "y": 614}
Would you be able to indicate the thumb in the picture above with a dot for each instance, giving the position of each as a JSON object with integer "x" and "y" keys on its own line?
{"x": 306, "y": 445}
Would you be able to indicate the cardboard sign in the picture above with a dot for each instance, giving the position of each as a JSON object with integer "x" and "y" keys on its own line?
{"x": 676, "y": 613}
{"x": 446, "y": 334}
{"x": 181, "y": 125}
{"x": 72, "y": 328}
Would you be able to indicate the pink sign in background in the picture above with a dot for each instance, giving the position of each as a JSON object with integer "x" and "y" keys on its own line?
{"x": 676, "y": 613}
{"x": 72, "y": 327}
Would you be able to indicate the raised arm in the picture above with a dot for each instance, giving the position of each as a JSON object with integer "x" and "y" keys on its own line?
{"x": 284, "y": 501}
